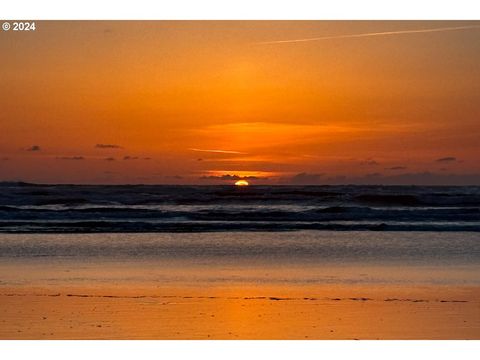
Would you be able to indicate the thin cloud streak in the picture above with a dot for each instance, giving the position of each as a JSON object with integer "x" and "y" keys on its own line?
{"x": 217, "y": 151}
{"x": 385, "y": 33}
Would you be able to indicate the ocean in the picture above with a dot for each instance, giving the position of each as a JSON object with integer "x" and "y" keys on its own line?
{"x": 31, "y": 208}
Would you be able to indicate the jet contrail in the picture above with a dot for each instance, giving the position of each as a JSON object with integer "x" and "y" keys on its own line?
{"x": 218, "y": 151}
{"x": 385, "y": 33}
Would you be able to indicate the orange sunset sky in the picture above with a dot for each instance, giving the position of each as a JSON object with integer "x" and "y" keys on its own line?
{"x": 208, "y": 102}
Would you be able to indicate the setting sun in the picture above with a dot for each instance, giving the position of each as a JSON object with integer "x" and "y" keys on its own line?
{"x": 242, "y": 183}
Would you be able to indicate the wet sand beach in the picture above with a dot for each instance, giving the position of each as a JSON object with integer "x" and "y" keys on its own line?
{"x": 299, "y": 285}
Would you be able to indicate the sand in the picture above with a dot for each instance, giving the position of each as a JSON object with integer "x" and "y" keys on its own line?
{"x": 305, "y": 285}
{"x": 240, "y": 312}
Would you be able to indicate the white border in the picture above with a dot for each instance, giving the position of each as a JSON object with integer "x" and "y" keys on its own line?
{"x": 239, "y": 9}
{"x": 241, "y": 350}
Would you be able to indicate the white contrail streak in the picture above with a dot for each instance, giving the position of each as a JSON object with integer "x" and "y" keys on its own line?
{"x": 218, "y": 151}
{"x": 385, "y": 33}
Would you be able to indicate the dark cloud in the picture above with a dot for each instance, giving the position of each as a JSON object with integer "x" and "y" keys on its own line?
{"x": 108, "y": 146}
{"x": 33, "y": 148}
{"x": 231, "y": 177}
{"x": 447, "y": 159}
{"x": 70, "y": 158}
{"x": 305, "y": 179}
{"x": 136, "y": 158}
{"x": 5, "y": 158}
{"x": 109, "y": 159}
{"x": 373, "y": 175}
{"x": 396, "y": 168}
{"x": 174, "y": 177}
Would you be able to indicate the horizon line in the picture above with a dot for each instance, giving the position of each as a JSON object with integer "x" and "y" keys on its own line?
{"x": 2, "y": 182}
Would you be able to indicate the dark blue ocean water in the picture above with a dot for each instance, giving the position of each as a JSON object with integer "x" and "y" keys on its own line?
{"x": 160, "y": 208}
